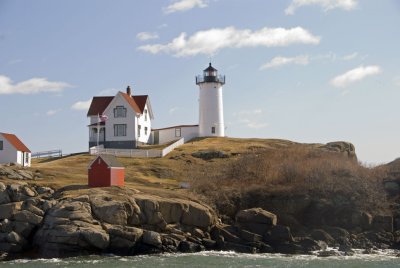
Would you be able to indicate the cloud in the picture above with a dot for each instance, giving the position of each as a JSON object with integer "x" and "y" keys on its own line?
{"x": 30, "y": 86}
{"x": 144, "y": 36}
{"x": 355, "y": 75}
{"x": 211, "y": 41}
{"x": 52, "y": 112}
{"x": 350, "y": 56}
{"x": 280, "y": 61}
{"x": 249, "y": 118}
{"x": 184, "y": 5}
{"x": 81, "y": 105}
{"x": 325, "y": 4}
{"x": 173, "y": 110}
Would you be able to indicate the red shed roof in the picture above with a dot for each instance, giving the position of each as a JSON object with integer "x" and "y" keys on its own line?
{"x": 15, "y": 142}
{"x": 110, "y": 160}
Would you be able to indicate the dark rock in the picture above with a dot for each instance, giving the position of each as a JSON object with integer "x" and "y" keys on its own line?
{"x": 250, "y": 237}
{"x": 338, "y": 233}
{"x": 319, "y": 234}
{"x": 383, "y": 222}
{"x": 208, "y": 155}
{"x": 152, "y": 238}
{"x": 256, "y": 215}
{"x": 288, "y": 248}
{"x": 189, "y": 247}
{"x": 309, "y": 244}
{"x": 7, "y": 211}
{"x": 209, "y": 243}
{"x": 27, "y": 216}
{"x": 279, "y": 234}
{"x": 239, "y": 248}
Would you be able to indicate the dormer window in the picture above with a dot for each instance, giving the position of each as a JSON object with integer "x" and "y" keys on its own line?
{"x": 120, "y": 111}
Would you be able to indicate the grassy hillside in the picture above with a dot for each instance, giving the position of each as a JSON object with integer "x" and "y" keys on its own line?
{"x": 243, "y": 173}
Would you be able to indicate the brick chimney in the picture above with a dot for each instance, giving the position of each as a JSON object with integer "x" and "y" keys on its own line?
{"x": 129, "y": 91}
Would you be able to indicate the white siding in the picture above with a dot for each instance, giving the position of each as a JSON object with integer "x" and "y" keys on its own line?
{"x": 211, "y": 112}
{"x": 168, "y": 134}
{"x": 143, "y": 124}
{"x": 129, "y": 120}
{"x": 10, "y": 155}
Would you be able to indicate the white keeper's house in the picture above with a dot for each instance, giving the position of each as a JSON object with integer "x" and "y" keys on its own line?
{"x": 13, "y": 150}
{"x": 124, "y": 121}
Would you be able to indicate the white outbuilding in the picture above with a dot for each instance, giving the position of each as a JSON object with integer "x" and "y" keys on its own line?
{"x": 13, "y": 150}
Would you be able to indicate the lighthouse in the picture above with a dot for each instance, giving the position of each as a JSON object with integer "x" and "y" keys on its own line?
{"x": 211, "y": 112}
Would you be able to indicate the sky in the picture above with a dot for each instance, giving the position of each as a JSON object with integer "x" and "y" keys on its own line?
{"x": 311, "y": 71}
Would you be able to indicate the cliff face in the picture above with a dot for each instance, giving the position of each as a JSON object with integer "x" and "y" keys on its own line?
{"x": 78, "y": 221}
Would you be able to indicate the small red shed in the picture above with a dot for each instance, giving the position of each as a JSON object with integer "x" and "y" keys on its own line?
{"x": 104, "y": 171}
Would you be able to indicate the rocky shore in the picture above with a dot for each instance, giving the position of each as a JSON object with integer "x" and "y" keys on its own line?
{"x": 37, "y": 221}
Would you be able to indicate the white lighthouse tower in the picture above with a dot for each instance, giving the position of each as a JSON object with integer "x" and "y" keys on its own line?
{"x": 211, "y": 112}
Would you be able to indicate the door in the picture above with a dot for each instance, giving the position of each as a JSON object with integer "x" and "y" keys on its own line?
{"x": 156, "y": 137}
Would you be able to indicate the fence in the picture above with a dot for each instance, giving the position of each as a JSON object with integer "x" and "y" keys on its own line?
{"x": 138, "y": 152}
{"x": 51, "y": 153}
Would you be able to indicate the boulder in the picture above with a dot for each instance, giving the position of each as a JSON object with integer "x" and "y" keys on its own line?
{"x": 27, "y": 216}
{"x": 309, "y": 244}
{"x": 208, "y": 155}
{"x": 189, "y": 247}
{"x": 109, "y": 211}
{"x": 152, "y": 238}
{"x": 321, "y": 235}
{"x": 8, "y": 210}
{"x": 4, "y": 197}
{"x": 255, "y": 220}
{"x": 256, "y": 215}
{"x": 199, "y": 216}
{"x": 279, "y": 234}
{"x": 345, "y": 148}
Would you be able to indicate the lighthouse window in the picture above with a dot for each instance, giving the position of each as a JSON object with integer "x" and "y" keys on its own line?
{"x": 213, "y": 130}
{"x": 178, "y": 132}
{"x": 145, "y": 130}
{"x": 120, "y": 111}
{"x": 1, "y": 145}
{"x": 145, "y": 114}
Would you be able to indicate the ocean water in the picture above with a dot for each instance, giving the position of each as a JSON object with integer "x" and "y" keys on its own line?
{"x": 216, "y": 259}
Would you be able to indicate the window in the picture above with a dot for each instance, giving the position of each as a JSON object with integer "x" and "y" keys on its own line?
{"x": 120, "y": 130}
{"x": 139, "y": 127}
{"x": 178, "y": 132}
{"x": 120, "y": 111}
{"x": 27, "y": 158}
{"x": 145, "y": 130}
{"x": 1, "y": 145}
{"x": 213, "y": 130}
{"x": 145, "y": 114}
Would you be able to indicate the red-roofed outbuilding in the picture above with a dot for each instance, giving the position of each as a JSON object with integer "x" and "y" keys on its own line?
{"x": 105, "y": 171}
{"x": 13, "y": 150}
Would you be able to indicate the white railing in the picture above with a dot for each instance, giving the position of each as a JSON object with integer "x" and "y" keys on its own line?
{"x": 137, "y": 152}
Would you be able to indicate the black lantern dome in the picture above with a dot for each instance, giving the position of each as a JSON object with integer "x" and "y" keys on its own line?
{"x": 210, "y": 75}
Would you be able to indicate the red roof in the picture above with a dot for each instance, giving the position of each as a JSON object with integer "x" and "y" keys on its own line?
{"x": 141, "y": 101}
{"x": 99, "y": 104}
{"x": 15, "y": 142}
{"x": 131, "y": 102}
